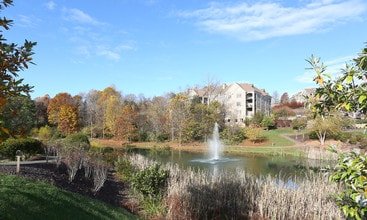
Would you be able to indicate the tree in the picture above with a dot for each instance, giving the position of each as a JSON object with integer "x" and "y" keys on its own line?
{"x": 91, "y": 105}
{"x": 14, "y": 58}
{"x": 156, "y": 116}
{"x": 324, "y": 126}
{"x": 282, "y": 112}
{"x": 284, "y": 98}
{"x": 126, "y": 124}
{"x": 268, "y": 122}
{"x": 255, "y": 134}
{"x": 113, "y": 111}
{"x": 19, "y": 115}
{"x": 41, "y": 104}
{"x": 178, "y": 112}
{"x": 275, "y": 98}
{"x": 103, "y": 114}
{"x": 55, "y": 105}
{"x": 68, "y": 119}
{"x": 347, "y": 92}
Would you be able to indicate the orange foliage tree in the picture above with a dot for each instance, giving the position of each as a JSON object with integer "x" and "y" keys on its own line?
{"x": 63, "y": 112}
{"x": 68, "y": 119}
{"x": 126, "y": 124}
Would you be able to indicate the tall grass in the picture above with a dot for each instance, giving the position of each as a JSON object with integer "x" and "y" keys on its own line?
{"x": 238, "y": 195}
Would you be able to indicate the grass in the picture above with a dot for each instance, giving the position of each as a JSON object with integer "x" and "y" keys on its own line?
{"x": 24, "y": 199}
{"x": 276, "y": 151}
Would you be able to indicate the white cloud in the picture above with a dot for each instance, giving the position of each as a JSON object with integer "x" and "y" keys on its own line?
{"x": 109, "y": 54}
{"x": 50, "y": 5}
{"x": 78, "y": 16}
{"x": 27, "y": 21}
{"x": 265, "y": 20}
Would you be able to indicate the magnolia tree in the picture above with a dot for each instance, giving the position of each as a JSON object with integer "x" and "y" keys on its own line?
{"x": 14, "y": 58}
{"x": 347, "y": 93}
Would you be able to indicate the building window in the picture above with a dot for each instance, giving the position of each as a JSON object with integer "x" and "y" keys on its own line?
{"x": 238, "y": 95}
{"x": 238, "y": 103}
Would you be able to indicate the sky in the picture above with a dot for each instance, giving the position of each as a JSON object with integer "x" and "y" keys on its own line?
{"x": 154, "y": 47}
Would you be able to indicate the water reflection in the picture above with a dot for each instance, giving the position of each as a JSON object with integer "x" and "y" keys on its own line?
{"x": 280, "y": 166}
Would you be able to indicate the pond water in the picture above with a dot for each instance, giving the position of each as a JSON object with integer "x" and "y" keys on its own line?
{"x": 280, "y": 166}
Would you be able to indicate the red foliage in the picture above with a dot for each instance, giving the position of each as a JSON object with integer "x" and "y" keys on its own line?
{"x": 292, "y": 105}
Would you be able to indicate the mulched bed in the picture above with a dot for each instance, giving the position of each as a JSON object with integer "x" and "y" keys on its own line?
{"x": 112, "y": 191}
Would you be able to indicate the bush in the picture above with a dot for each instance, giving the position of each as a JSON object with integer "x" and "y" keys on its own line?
{"x": 343, "y": 136}
{"x": 363, "y": 144}
{"x": 124, "y": 168}
{"x": 28, "y": 147}
{"x": 78, "y": 138}
{"x": 353, "y": 140}
{"x": 150, "y": 181}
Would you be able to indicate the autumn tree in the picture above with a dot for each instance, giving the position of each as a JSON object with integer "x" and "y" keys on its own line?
{"x": 323, "y": 126}
{"x": 113, "y": 111}
{"x": 14, "y": 58}
{"x": 156, "y": 116}
{"x": 41, "y": 104}
{"x": 68, "y": 119}
{"x": 178, "y": 114}
{"x": 55, "y": 104}
{"x": 63, "y": 113}
{"x": 255, "y": 134}
{"x": 106, "y": 111}
{"x": 126, "y": 124}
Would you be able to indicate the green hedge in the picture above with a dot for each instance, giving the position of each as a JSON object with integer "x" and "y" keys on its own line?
{"x": 28, "y": 147}
{"x": 78, "y": 138}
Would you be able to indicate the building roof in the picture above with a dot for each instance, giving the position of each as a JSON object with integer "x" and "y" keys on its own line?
{"x": 224, "y": 87}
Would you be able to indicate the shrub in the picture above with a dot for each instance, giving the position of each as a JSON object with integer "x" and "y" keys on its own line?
{"x": 343, "y": 136}
{"x": 150, "y": 181}
{"x": 353, "y": 139}
{"x": 28, "y": 146}
{"x": 45, "y": 132}
{"x": 124, "y": 168}
{"x": 255, "y": 134}
{"x": 78, "y": 138}
{"x": 363, "y": 143}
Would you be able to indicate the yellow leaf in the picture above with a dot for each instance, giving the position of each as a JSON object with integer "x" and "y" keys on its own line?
{"x": 5, "y": 130}
{"x": 2, "y": 101}
{"x": 320, "y": 80}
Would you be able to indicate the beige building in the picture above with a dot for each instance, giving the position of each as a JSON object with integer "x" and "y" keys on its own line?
{"x": 241, "y": 100}
{"x": 301, "y": 96}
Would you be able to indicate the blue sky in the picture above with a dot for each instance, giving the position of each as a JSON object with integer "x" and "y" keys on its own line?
{"x": 153, "y": 47}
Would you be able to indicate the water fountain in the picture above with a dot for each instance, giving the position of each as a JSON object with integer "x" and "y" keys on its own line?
{"x": 215, "y": 147}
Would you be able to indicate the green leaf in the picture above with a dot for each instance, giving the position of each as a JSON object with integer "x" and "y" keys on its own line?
{"x": 362, "y": 98}
{"x": 339, "y": 87}
{"x": 349, "y": 79}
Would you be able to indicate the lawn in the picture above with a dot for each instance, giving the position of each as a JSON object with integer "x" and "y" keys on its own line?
{"x": 24, "y": 199}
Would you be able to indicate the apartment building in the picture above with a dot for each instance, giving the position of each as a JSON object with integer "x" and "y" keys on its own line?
{"x": 241, "y": 100}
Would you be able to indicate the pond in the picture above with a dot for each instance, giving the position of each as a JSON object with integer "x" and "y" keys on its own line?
{"x": 280, "y": 166}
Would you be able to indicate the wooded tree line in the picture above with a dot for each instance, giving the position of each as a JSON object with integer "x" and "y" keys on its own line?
{"x": 109, "y": 114}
